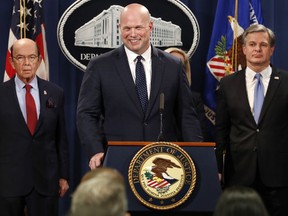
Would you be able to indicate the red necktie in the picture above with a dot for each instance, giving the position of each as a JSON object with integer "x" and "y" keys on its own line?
{"x": 30, "y": 110}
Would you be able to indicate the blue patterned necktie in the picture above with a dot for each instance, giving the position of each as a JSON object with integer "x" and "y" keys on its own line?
{"x": 258, "y": 97}
{"x": 141, "y": 83}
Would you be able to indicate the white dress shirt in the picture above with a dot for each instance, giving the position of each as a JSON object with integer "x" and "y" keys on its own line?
{"x": 146, "y": 61}
{"x": 251, "y": 82}
{"x": 21, "y": 92}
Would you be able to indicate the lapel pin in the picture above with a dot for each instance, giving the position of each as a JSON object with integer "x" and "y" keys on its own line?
{"x": 276, "y": 78}
{"x": 45, "y": 93}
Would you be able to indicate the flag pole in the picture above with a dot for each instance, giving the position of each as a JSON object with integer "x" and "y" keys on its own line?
{"x": 235, "y": 41}
{"x": 24, "y": 18}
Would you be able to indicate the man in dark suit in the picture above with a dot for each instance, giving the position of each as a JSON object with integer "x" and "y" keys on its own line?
{"x": 110, "y": 89}
{"x": 255, "y": 139}
{"x": 33, "y": 159}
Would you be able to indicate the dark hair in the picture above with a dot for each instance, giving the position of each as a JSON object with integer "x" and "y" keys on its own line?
{"x": 240, "y": 201}
{"x": 259, "y": 28}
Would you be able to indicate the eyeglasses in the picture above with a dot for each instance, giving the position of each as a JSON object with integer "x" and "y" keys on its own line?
{"x": 31, "y": 58}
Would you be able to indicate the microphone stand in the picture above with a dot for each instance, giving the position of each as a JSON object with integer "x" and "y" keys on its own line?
{"x": 160, "y": 136}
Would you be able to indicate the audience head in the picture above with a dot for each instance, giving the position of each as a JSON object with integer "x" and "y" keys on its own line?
{"x": 184, "y": 58}
{"x": 240, "y": 201}
{"x": 101, "y": 192}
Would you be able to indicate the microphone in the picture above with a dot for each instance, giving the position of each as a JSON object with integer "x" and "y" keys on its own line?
{"x": 161, "y": 109}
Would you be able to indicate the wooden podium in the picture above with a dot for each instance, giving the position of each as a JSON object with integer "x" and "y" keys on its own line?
{"x": 207, "y": 189}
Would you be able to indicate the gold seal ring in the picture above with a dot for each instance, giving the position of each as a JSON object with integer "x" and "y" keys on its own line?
{"x": 162, "y": 175}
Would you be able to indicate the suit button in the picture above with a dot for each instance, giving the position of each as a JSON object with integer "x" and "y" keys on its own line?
{"x": 258, "y": 130}
{"x": 145, "y": 123}
{"x": 255, "y": 148}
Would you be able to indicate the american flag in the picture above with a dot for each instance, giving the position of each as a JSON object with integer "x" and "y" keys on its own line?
{"x": 28, "y": 22}
{"x": 219, "y": 66}
{"x": 156, "y": 184}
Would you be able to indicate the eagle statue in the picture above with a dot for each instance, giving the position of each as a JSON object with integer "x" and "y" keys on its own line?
{"x": 235, "y": 53}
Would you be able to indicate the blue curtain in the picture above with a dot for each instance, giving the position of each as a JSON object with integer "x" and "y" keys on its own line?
{"x": 63, "y": 73}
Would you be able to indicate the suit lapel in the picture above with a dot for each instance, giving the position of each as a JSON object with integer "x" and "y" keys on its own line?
{"x": 124, "y": 73}
{"x": 11, "y": 94}
{"x": 274, "y": 82}
{"x": 242, "y": 90}
{"x": 43, "y": 97}
{"x": 157, "y": 74}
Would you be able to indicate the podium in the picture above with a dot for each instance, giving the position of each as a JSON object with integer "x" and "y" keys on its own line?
{"x": 207, "y": 189}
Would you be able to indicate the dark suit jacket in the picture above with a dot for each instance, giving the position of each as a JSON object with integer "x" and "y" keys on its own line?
{"x": 28, "y": 161}
{"x": 199, "y": 108}
{"x": 108, "y": 89}
{"x": 247, "y": 144}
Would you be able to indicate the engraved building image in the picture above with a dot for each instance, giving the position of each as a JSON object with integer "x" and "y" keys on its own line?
{"x": 102, "y": 31}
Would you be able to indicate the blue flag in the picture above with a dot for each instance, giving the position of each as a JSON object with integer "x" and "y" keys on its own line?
{"x": 225, "y": 53}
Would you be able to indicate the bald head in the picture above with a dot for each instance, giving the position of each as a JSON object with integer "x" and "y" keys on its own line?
{"x": 24, "y": 41}
{"x": 136, "y": 26}
{"x": 135, "y": 10}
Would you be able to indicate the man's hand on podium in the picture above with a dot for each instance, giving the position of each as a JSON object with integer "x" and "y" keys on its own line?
{"x": 96, "y": 160}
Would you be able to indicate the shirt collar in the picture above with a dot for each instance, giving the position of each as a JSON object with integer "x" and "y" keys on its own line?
{"x": 20, "y": 84}
{"x": 266, "y": 73}
{"x": 132, "y": 56}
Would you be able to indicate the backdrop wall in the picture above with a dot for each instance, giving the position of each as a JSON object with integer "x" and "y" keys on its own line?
{"x": 63, "y": 73}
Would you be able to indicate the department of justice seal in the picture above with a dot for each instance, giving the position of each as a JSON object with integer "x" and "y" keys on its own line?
{"x": 162, "y": 175}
